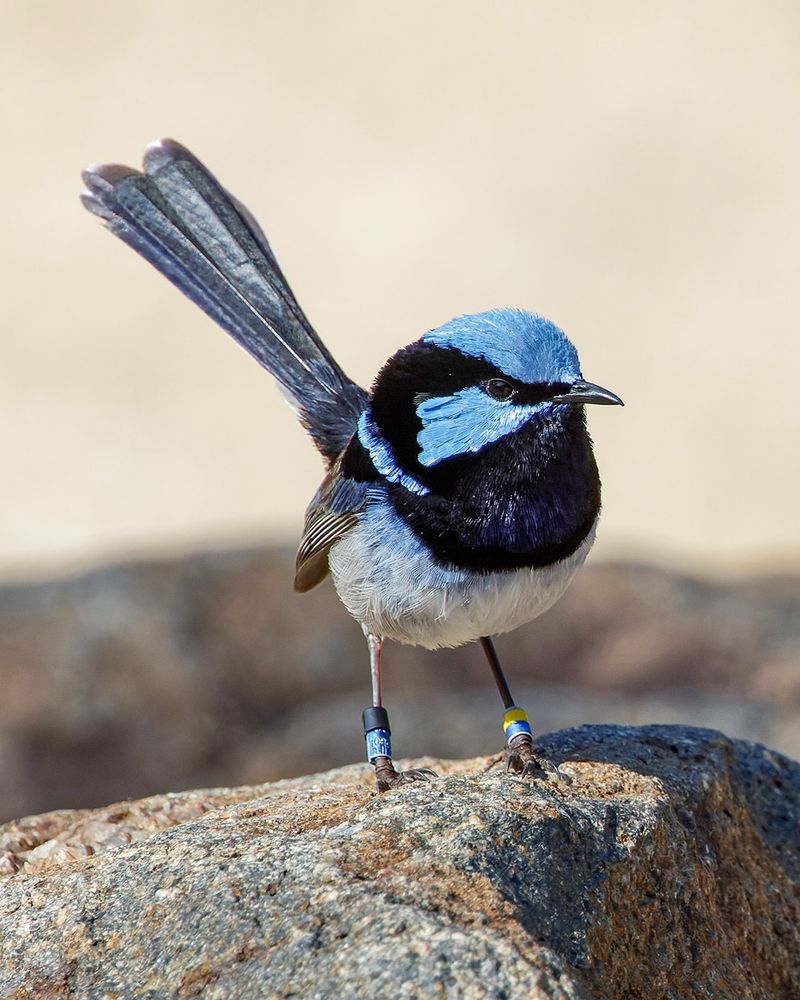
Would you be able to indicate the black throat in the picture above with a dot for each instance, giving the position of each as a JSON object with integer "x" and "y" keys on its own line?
{"x": 527, "y": 500}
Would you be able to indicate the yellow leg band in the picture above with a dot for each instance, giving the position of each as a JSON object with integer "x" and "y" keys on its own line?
{"x": 514, "y": 715}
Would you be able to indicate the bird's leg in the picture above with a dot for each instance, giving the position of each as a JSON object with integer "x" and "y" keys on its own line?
{"x": 376, "y": 724}
{"x": 519, "y": 755}
{"x": 378, "y": 734}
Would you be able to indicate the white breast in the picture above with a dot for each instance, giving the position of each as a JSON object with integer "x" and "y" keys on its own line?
{"x": 388, "y": 583}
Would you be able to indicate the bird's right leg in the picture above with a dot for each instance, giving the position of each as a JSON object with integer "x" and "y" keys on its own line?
{"x": 378, "y": 734}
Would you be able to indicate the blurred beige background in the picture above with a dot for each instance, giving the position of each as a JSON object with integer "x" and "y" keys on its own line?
{"x": 629, "y": 170}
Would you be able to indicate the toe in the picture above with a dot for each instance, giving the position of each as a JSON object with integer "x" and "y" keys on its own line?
{"x": 528, "y": 765}
{"x": 417, "y": 774}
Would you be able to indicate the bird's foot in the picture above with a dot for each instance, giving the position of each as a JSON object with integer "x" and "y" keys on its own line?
{"x": 520, "y": 760}
{"x": 386, "y": 776}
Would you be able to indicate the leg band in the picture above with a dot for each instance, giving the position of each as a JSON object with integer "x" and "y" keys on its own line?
{"x": 377, "y": 733}
{"x": 515, "y": 723}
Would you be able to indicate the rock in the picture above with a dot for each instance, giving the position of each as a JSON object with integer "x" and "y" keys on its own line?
{"x": 668, "y": 868}
{"x": 206, "y": 669}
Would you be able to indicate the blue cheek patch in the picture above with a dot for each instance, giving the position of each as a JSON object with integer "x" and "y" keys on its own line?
{"x": 465, "y": 422}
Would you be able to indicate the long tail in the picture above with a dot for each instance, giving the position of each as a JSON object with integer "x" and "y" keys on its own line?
{"x": 177, "y": 215}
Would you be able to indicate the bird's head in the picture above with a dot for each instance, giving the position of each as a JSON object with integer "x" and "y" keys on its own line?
{"x": 470, "y": 383}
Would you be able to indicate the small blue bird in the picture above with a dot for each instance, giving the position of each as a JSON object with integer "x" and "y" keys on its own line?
{"x": 461, "y": 493}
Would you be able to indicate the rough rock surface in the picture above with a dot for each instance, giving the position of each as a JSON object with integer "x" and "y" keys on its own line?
{"x": 206, "y": 670}
{"x": 668, "y": 868}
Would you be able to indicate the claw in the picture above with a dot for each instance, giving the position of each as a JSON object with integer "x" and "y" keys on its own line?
{"x": 417, "y": 774}
{"x": 522, "y": 761}
{"x": 492, "y": 762}
{"x": 387, "y": 777}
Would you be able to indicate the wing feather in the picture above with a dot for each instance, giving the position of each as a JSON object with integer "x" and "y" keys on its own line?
{"x": 332, "y": 513}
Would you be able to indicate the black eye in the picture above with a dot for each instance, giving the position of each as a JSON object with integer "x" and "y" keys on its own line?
{"x": 498, "y": 388}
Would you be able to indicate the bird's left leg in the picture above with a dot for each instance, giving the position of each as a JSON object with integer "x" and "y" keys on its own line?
{"x": 378, "y": 734}
{"x": 519, "y": 755}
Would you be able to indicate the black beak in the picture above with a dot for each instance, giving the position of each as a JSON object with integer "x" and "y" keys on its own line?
{"x": 587, "y": 392}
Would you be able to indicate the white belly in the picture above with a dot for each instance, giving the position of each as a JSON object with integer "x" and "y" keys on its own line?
{"x": 387, "y": 582}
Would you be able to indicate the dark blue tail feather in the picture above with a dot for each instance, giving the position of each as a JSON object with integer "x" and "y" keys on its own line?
{"x": 179, "y": 218}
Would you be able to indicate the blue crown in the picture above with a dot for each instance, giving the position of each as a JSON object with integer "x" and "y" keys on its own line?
{"x": 521, "y": 344}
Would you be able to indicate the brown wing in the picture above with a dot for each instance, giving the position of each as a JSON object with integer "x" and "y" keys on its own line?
{"x": 312, "y": 555}
{"x": 330, "y": 515}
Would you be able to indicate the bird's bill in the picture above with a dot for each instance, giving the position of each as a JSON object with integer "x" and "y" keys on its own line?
{"x": 588, "y": 392}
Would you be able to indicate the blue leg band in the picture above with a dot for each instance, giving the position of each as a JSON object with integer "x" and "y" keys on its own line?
{"x": 379, "y": 744}
{"x": 377, "y": 733}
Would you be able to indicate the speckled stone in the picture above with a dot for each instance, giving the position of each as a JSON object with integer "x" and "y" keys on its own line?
{"x": 669, "y": 867}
